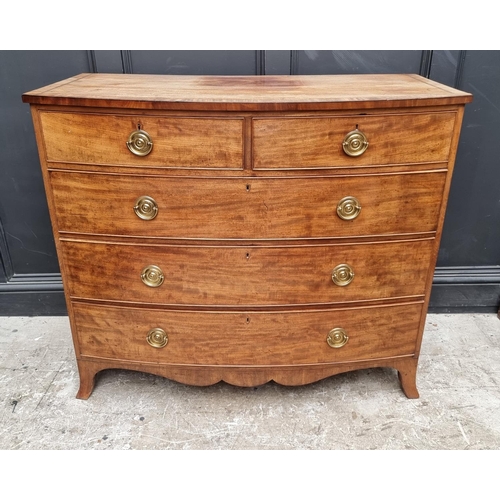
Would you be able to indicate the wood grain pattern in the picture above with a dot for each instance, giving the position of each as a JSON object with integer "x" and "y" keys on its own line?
{"x": 252, "y": 93}
{"x": 317, "y": 142}
{"x": 246, "y": 338}
{"x": 247, "y": 376}
{"x": 441, "y": 218}
{"x": 247, "y": 208}
{"x": 248, "y": 236}
{"x": 178, "y": 142}
{"x": 238, "y": 276}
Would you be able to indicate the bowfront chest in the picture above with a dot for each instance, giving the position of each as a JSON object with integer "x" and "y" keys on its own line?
{"x": 247, "y": 229}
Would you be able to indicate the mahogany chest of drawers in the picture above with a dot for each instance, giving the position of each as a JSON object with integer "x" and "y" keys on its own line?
{"x": 247, "y": 229}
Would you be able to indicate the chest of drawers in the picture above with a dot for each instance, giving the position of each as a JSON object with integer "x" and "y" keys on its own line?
{"x": 247, "y": 229}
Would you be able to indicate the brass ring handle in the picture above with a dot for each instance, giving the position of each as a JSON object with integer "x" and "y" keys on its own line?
{"x": 342, "y": 274}
{"x": 355, "y": 143}
{"x": 157, "y": 338}
{"x": 337, "y": 338}
{"x": 152, "y": 276}
{"x": 140, "y": 143}
{"x": 348, "y": 208}
{"x": 146, "y": 208}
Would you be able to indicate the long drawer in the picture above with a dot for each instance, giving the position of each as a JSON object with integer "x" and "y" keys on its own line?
{"x": 257, "y": 276}
{"x": 248, "y": 208}
{"x": 176, "y": 142}
{"x": 317, "y": 142}
{"x": 246, "y": 338}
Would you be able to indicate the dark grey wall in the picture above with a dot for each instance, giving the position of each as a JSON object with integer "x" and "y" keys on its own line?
{"x": 468, "y": 274}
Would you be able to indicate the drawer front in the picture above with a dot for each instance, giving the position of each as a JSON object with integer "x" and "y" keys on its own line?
{"x": 240, "y": 276}
{"x": 318, "y": 142}
{"x": 177, "y": 142}
{"x": 238, "y": 338}
{"x": 247, "y": 208}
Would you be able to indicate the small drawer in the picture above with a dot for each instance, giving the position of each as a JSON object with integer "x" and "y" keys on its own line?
{"x": 230, "y": 208}
{"x": 299, "y": 143}
{"x": 247, "y": 276}
{"x": 126, "y": 139}
{"x": 246, "y": 338}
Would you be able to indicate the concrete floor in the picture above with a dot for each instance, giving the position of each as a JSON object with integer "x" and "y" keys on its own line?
{"x": 458, "y": 380}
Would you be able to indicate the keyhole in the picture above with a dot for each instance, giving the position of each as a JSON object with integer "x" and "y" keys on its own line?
{"x": 248, "y": 320}
{"x": 248, "y": 188}
{"x": 247, "y": 256}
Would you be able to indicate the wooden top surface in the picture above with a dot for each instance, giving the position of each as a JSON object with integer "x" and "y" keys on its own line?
{"x": 247, "y": 93}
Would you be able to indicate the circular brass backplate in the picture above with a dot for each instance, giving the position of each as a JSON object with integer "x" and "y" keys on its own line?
{"x": 342, "y": 274}
{"x": 348, "y": 208}
{"x": 337, "y": 338}
{"x": 355, "y": 143}
{"x": 152, "y": 276}
{"x": 146, "y": 208}
{"x": 157, "y": 338}
{"x": 140, "y": 143}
